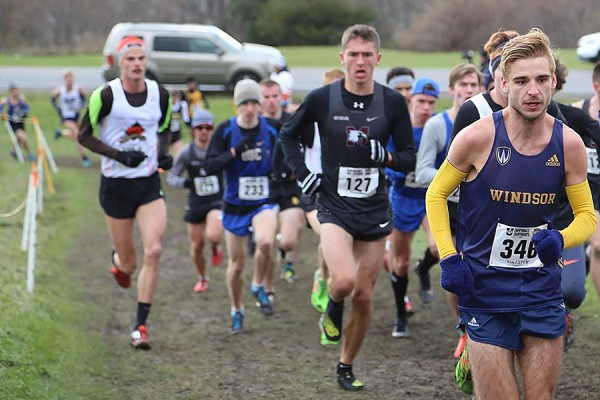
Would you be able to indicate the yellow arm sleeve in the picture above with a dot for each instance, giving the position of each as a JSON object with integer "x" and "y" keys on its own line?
{"x": 584, "y": 224}
{"x": 446, "y": 180}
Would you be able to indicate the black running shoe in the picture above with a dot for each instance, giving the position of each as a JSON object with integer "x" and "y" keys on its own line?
{"x": 348, "y": 381}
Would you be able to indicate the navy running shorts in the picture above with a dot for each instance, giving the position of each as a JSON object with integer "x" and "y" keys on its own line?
{"x": 121, "y": 197}
{"x": 505, "y": 329}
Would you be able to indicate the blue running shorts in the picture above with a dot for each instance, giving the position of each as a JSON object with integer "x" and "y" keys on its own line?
{"x": 240, "y": 224}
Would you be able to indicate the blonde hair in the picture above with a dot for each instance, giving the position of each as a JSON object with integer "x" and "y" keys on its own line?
{"x": 531, "y": 45}
{"x": 332, "y": 75}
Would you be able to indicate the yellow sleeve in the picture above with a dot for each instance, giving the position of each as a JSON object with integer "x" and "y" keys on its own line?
{"x": 446, "y": 180}
{"x": 584, "y": 224}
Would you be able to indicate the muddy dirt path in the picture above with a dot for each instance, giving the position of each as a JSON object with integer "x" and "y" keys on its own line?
{"x": 195, "y": 357}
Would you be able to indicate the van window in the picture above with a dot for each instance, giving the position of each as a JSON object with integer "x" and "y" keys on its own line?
{"x": 185, "y": 45}
{"x": 198, "y": 45}
{"x": 162, "y": 43}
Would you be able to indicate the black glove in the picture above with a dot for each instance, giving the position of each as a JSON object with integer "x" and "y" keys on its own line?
{"x": 378, "y": 152}
{"x": 244, "y": 145}
{"x": 188, "y": 184}
{"x": 165, "y": 161}
{"x": 310, "y": 184}
{"x": 130, "y": 158}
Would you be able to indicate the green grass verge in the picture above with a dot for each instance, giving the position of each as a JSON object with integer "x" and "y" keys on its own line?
{"x": 297, "y": 56}
{"x": 42, "y": 351}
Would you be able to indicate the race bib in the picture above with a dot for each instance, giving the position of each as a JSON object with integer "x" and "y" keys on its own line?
{"x": 410, "y": 180}
{"x": 206, "y": 185}
{"x": 253, "y": 188}
{"x": 513, "y": 247}
{"x": 357, "y": 182}
{"x": 593, "y": 167}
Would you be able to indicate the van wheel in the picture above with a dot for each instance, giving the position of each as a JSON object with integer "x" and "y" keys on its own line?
{"x": 242, "y": 75}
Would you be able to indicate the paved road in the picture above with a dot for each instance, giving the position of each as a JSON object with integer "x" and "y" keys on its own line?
{"x": 46, "y": 78}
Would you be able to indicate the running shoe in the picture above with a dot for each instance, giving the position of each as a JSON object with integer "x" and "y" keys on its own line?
{"x": 401, "y": 328}
{"x": 288, "y": 273}
{"x": 460, "y": 346}
{"x": 271, "y": 296}
{"x": 201, "y": 285}
{"x": 262, "y": 301}
{"x": 462, "y": 372}
{"x": 327, "y": 342}
{"x": 348, "y": 381}
{"x": 123, "y": 279}
{"x": 425, "y": 290}
{"x": 237, "y": 323}
{"x": 217, "y": 255}
{"x": 139, "y": 338}
{"x": 57, "y": 133}
{"x": 408, "y": 307}
{"x": 318, "y": 295}
{"x": 86, "y": 162}
{"x": 569, "y": 336}
{"x": 329, "y": 329}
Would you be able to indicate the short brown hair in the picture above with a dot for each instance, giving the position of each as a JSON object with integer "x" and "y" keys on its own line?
{"x": 268, "y": 82}
{"x": 361, "y": 31}
{"x": 459, "y": 72}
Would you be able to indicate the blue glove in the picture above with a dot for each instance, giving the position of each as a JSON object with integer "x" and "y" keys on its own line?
{"x": 456, "y": 275}
{"x": 549, "y": 245}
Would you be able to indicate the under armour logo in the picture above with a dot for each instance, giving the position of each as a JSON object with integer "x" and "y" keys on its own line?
{"x": 359, "y": 105}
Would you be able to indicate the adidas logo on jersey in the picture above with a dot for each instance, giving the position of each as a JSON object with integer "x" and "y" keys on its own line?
{"x": 473, "y": 322}
{"x": 553, "y": 162}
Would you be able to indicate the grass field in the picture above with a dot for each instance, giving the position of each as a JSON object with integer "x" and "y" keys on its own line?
{"x": 53, "y": 342}
{"x": 317, "y": 56}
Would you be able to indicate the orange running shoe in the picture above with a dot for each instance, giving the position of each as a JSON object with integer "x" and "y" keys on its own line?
{"x": 139, "y": 338}
{"x": 201, "y": 286}
{"x": 217, "y": 255}
{"x": 460, "y": 346}
{"x": 123, "y": 279}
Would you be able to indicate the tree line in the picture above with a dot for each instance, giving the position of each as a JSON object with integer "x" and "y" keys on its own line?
{"x": 75, "y": 26}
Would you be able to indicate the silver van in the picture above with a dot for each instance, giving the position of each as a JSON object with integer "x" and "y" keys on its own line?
{"x": 176, "y": 51}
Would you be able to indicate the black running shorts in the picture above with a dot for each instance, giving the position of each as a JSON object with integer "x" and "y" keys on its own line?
{"x": 121, "y": 197}
{"x": 197, "y": 215}
{"x": 366, "y": 226}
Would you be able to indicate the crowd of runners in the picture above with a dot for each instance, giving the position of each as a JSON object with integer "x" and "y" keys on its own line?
{"x": 365, "y": 166}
